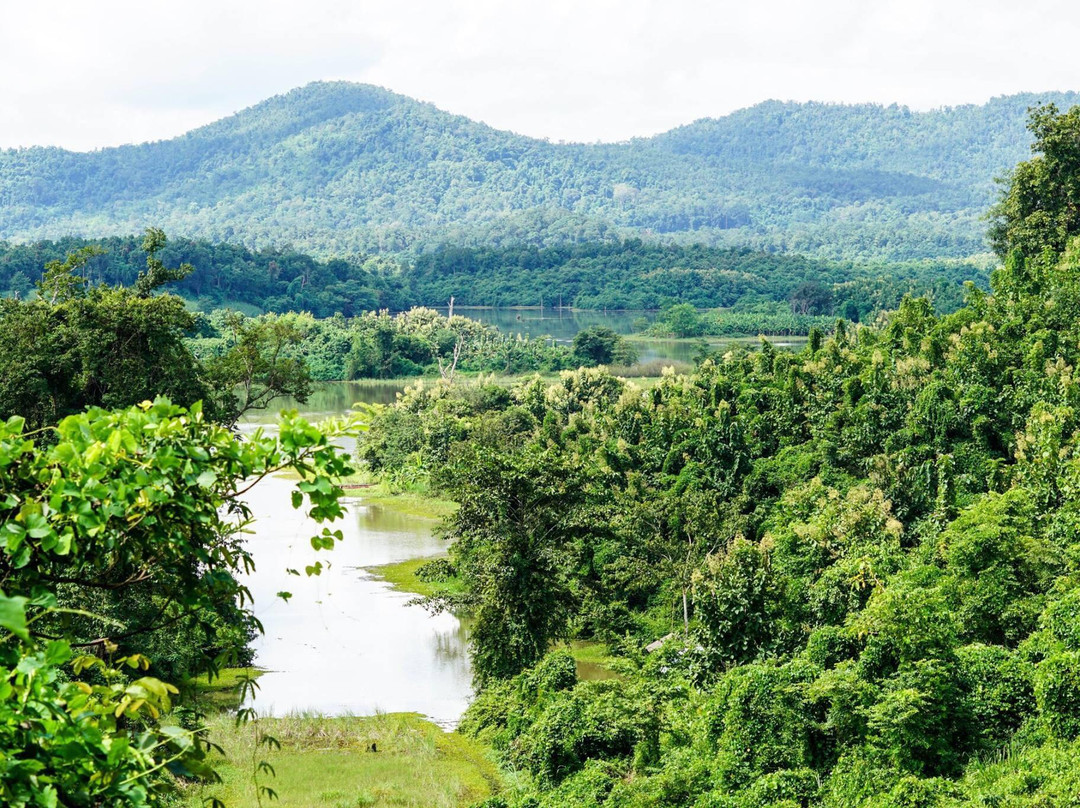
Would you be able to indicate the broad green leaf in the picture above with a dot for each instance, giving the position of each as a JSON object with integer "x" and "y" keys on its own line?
{"x": 13, "y": 616}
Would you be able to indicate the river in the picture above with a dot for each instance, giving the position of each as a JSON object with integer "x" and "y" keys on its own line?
{"x": 345, "y": 642}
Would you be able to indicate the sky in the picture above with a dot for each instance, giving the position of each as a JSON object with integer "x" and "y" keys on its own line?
{"x": 85, "y": 75}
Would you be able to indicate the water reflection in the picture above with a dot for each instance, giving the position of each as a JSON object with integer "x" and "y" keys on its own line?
{"x": 329, "y": 399}
{"x": 346, "y": 643}
{"x": 562, "y": 324}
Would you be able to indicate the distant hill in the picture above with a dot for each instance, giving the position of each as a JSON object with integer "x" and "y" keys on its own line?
{"x": 340, "y": 168}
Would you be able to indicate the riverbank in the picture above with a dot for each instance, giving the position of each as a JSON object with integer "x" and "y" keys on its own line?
{"x": 407, "y": 503}
{"x": 221, "y": 693}
{"x": 349, "y": 762}
{"x": 594, "y": 660}
{"x": 402, "y": 577}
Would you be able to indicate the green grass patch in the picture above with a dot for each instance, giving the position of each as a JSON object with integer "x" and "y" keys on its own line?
{"x": 593, "y": 660}
{"x": 402, "y": 576}
{"x": 330, "y": 763}
{"x": 410, "y": 503}
{"x": 222, "y": 693}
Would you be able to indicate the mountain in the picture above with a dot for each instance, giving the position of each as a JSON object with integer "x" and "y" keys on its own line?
{"x": 339, "y": 168}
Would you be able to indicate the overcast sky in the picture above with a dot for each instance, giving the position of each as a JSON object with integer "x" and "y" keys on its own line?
{"x": 85, "y": 74}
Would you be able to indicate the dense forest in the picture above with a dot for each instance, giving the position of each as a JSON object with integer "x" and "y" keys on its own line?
{"x": 628, "y": 274}
{"x": 336, "y": 169}
{"x": 846, "y": 576}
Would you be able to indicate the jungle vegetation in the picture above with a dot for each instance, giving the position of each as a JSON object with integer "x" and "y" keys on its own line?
{"x": 856, "y": 567}
{"x": 416, "y": 342}
{"x": 121, "y": 531}
{"x": 628, "y": 274}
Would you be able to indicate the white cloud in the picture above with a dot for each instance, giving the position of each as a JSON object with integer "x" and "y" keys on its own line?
{"x": 84, "y": 74}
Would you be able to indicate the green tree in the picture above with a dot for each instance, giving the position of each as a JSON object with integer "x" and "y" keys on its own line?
{"x": 811, "y": 297}
{"x": 157, "y": 274}
{"x": 107, "y": 347}
{"x": 512, "y": 540}
{"x": 682, "y": 320}
{"x": 257, "y": 367}
{"x": 600, "y": 345}
{"x": 116, "y": 499}
{"x": 1040, "y": 205}
{"x": 60, "y": 283}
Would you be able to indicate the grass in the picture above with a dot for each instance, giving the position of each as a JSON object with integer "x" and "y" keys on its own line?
{"x": 329, "y": 763}
{"x": 402, "y": 576}
{"x": 593, "y": 660}
{"x": 411, "y": 503}
{"x": 220, "y": 693}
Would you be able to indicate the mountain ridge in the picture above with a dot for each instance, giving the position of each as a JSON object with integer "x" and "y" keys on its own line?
{"x": 338, "y": 167}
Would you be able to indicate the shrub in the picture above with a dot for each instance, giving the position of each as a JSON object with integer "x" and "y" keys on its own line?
{"x": 1057, "y": 691}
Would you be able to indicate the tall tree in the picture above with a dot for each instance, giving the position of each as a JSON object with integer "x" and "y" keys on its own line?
{"x": 1040, "y": 207}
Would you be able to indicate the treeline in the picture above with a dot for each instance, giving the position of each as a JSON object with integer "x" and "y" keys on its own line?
{"x": 775, "y": 319}
{"x": 628, "y": 274}
{"x": 223, "y": 274}
{"x": 855, "y": 567}
{"x": 420, "y": 341}
{"x": 639, "y": 275}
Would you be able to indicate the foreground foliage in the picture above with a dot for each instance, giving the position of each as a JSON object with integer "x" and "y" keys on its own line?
{"x": 119, "y": 564}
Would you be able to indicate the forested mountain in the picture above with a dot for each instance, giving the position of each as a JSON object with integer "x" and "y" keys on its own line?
{"x": 338, "y": 168}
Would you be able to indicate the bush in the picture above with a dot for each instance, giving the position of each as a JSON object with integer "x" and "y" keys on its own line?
{"x": 1057, "y": 691}
{"x": 594, "y": 720}
{"x": 921, "y": 724}
{"x": 761, "y": 721}
{"x": 1000, "y": 692}
{"x": 1062, "y": 620}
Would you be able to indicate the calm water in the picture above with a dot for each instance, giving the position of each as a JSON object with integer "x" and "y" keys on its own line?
{"x": 346, "y": 642}
{"x": 563, "y": 324}
{"x": 332, "y": 398}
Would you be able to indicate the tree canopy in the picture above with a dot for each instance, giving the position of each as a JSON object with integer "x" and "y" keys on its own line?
{"x": 122, "y": 537}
